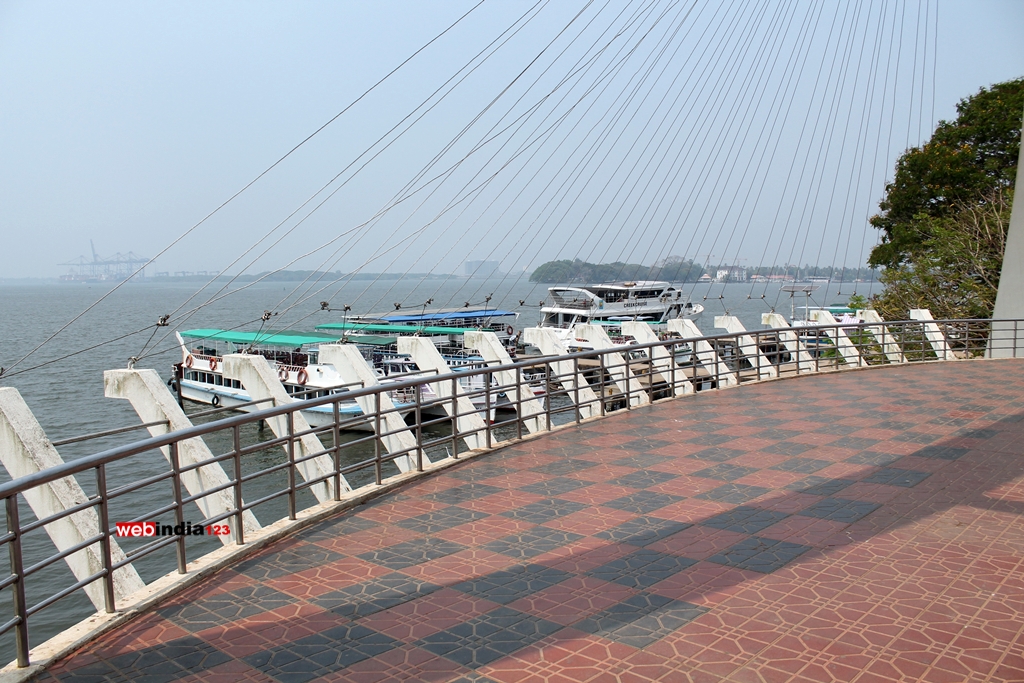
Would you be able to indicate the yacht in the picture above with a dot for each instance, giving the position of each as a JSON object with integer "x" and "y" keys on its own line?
{"x": 651, "y": 301}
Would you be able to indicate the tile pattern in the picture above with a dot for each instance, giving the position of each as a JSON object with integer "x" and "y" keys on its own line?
{"x": 856, "y": 527}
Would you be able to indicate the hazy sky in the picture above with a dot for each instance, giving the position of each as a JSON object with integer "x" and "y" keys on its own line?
{"x": 754, "y": 130}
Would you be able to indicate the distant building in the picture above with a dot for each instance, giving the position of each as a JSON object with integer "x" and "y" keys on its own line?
{"x": 483, "y": 268}
{"x": 731, "y": 274}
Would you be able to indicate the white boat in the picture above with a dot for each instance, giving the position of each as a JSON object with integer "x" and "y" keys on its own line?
{"x": 651, "y": 301}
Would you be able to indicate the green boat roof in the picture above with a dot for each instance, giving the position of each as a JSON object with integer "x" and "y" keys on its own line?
{"x": 407, "y": 329}
{"x": 268, "y": 338}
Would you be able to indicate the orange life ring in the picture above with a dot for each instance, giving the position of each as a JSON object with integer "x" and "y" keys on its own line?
{"x": 188, "y": 361}
{"x": 213, "y": 364}
{"x": 302, "y": 377}
{"x": 282, "y": 374}
{"x": 509, "y": 330}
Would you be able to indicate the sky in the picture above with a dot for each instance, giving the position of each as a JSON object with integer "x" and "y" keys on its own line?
{"x": 747, "y": 131}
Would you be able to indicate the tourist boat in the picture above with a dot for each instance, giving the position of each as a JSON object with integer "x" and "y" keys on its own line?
{"x": 650, "y": 301}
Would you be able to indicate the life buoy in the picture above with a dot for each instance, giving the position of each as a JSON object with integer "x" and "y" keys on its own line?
{"x": 509, "y": 330}
{"x": 189, "y": 360}
{"x": 215, "y": 401}
{"x": 282, "y": 374}
{"x": 213, "y": 364}
{"x": 302, "y": 377}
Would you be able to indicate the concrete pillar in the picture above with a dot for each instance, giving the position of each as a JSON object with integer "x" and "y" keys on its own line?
{"x": 25, "y": 450}
{"x": 261, "y": 382}
{"x": 789, "y": 339}
{"x": 546, "y": 339}
{"x": 427, "y": 358}
{"x": 492, "y": 351}
{"x": 933, "y": 334}
{"x": 354, "y": 369}
{"x": 882, "y": 335}
{"x": 1006, "y": 339}
{"x": 616, "y": 364}
{"x": 660, "y": 356}
{"x": 703, "y": 350}
{"x": 837, "y": 335}
{"x": 747, "y": 345}
{"x": 153, "y": 401}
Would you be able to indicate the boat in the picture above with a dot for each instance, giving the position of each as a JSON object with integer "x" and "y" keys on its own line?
{"x": 651, "y": 301}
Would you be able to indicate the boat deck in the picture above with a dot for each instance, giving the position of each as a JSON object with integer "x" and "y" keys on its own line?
{"x": 861, "y": 526}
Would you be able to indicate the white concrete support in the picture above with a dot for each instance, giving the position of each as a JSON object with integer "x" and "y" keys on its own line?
{"x": 546, "y": 339}
{"x": 1006, "y": 340}
{"x": 25, "y": 450}
{"x": 261, "y": 382}
{"x": 427, "y": 358}
{"x": 616, "y": 364}
{"x": 882, "y": 335}
{"x": 705, "y": 353}
{"x": 492, "y": 351}
{"x": 789, "y": 339}
{"x": 660, "y": 356}
{"x": 153, "y": 401}
{"x": 933, "y": 334}
{"x": 354, "y": 369}
{"x": 838, "y": 336}
{"x": 747, "y": 345}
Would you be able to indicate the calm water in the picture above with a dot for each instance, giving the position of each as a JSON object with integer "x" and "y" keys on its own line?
{"x": 67, "y": 396}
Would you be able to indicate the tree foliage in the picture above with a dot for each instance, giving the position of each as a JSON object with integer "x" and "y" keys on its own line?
{"x": 954, "y": 271}
{"x": 673, "y": 269}
{"x": 966, "y": 162}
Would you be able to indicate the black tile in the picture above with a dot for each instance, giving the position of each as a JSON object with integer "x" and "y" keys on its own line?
{"x": 643, "y": 502}
{"x": 644, "y": 445}
{"x": 745, "y": 519}
{"x": 339, "y": 526}
{"x": 374, "y": 596}
{"x": 717, "y": 454}
{"x": 509, "y": 585}
{"x": 171, "y": 661}
{"x": 643, "y": 479}
{"x": 977, "y": 433}
{"x": 838, "y": 429}
{"x": 281, "y": 563}
{"x": 544, "y": 510}
{"x": 801, "y": 465}
{"x": 896, "y": 425}
{"x": 915, "y": 437}
{"x": 703, "y": 426}
{"x": 820, "y": 486}
{"x": 949, "y": 421}
{"x": 224, "y": 608}
{"x": 840, "y": 509}
{"x": 439, "y": 520}
{"x": 712, "y": 439}
{"x": 873, "y": 458}
{"x": 893, "y": 476}
{"x": 488, "y": 637}
{"x": 775, "y": 434}
{"x": 642, "y": 460}
{"x": 531, "y": 543}
{"x": 476, "y": 472}
{"x": 643, "y": 531}
{"x": 734, "y": 493}
{"x": 855, "y": 443}
{"x": 461, "y": 494}
{"x": 554, "y": 487}
{"x": 640, "y": 620}
{"x": 411, "y": 553}
{"x": 760, "y": 554}
{"x": 319, "y": 654}
{"x": 564, "y": 466}
{"x": 641, "y": 569}
{"x": 942, "y": 452}
{"x": 725, "y": 472}
{"x": 648, "y": 427}
{"x": 788, "y": 448}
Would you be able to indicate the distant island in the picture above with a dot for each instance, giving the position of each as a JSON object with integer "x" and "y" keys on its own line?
{"x": 678, "y": 269}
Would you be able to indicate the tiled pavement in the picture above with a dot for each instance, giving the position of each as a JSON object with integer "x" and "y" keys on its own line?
{"x": 862, "y": 526}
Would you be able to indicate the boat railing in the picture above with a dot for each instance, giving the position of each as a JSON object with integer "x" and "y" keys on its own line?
{"x": 273, "y": 478}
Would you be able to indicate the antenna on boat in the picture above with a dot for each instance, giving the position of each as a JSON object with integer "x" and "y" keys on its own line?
{"x": 344, "y": 323}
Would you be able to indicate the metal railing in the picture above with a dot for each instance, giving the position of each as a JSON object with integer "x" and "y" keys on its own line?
{"x": 264, "y": 474}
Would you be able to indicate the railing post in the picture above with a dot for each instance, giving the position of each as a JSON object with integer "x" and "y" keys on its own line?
{"x": 291, "y": 464}
{"x": 519, "y": 402}
{"x": 600, "y": 357}
{"x": 336, "y": 437}
{"x": 179, "y": 512}
{"x": 547, "y": 395}
{"x": 576, "y": 387}
{"x": 236, "y": 458}
{"x": 17, "y": 568}
{"x": 455, "y": 418}
{"x": 379, "y": 476}
{"x": 419, "y": 427}
{"x": 104, "y": 518}
{"x": 487, "y": 407}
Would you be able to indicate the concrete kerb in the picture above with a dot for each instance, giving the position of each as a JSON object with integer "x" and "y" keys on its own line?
{"x": 75, "y": 637}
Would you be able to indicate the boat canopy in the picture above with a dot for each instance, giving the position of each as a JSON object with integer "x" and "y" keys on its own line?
{"x": 284, "y": 338}
{"x": 400, "y": 329}
{"x": 448, "y": 315}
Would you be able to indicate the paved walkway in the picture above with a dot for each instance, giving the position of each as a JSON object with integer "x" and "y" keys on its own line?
{"x": 864, "y": 526}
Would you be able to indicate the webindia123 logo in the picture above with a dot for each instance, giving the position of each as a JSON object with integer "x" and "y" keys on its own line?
{"x": 148, "y": 529}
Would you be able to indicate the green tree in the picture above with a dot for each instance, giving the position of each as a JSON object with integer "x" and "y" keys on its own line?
{"x": 954, "y": 270}
{"x": 960, "y": 167}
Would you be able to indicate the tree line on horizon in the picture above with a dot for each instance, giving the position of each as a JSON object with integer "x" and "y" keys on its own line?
{"x": 678, "y": 269}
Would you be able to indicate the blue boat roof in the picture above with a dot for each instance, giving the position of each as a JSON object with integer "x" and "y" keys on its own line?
{"x": 449, "y": 315}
